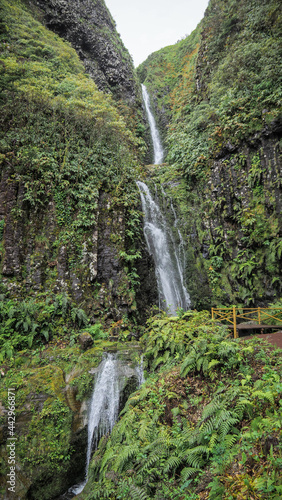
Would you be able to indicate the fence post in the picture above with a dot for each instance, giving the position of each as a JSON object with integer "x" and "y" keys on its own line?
{"x": 259, "y": 317}
{"x": 234, "y": 322}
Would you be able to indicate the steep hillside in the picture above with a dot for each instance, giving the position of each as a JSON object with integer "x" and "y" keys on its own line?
{"x": 205, "y": 425}
{"x": 70, "y": 223}
{"x": 90, "y": 28}
{"x": 224, "y": 139}
{"x": 168, "y": 75}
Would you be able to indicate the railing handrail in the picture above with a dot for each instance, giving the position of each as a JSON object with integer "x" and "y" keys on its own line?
{"x": 231, "y": 314}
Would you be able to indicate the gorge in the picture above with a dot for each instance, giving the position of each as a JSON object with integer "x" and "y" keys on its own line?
{"x": 131, "y": 202}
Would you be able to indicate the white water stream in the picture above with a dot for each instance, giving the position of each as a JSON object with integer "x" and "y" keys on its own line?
{"x": 161, "y": 245}
{"x": 169, "y": 257}
{"x": 158, "y": 149}
{"x": 103, "y": 408}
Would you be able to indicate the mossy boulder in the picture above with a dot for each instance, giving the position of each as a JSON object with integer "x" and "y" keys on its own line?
{"x": 85, "y": 341}
{"x": 52, "y": 389}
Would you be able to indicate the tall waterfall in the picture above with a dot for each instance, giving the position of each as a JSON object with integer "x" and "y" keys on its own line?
{"x": 158, "y": 150}
{"x": 168, "y": 264}
{"x": 103, "y": 407}
{"x": 168, "y": 258}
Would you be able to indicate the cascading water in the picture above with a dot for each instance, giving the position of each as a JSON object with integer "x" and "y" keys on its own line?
{"x": 168, "y": 258}
{"x": 161, "y": 244}
{"x": 103, "y": 408}
{"x": 158, "y": 150}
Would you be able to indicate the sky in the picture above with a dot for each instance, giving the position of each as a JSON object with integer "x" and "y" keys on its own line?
{"x": 149, "y": 25}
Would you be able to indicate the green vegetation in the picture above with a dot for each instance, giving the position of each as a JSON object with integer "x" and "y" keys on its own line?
{"x": 62, "y": 144}
{"x": 27, "y": 324}
{"x": 223, "y": 105}
{"x": 206, "y": 424}
{"x": 168, "y": 75}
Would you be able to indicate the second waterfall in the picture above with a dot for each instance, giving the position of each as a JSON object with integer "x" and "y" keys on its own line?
{"x": 159, "y": 238}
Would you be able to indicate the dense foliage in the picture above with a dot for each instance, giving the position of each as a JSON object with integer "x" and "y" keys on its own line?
{"x": 224, "y": 139}
{"x": 62, "y": 143}
{"x": 206, "y": 424}
{"x": 237, "y": 91}
{"x": 168, "y": 75}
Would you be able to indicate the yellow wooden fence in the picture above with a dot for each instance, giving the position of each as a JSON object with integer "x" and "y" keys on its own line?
{"x": 256, "y": 316}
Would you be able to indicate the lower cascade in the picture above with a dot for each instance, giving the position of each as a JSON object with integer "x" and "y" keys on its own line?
{"x": 168, "y": 264}
{"x": 104, "y": 407}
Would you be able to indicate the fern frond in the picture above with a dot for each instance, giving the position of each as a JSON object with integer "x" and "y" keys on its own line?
{"x": 208, "y": 426}
{"x": 213, "y": 440}
{"x": 230, "y": 440}
{"x": 195, "y": 460}
{"x": 100, "y": 492}
{"x": 188, "y": 365}
{"x": 172, "y": 346}
{"x": 150, "y": 462}
{"x": 125, "y": 454}
{"x": 188, "y": 472}
{"x": 199, "y": 363}
{"x": 268, "y": 395}
{"x": 108, "y": 456}
{"x": 211, "y": 408}
{"x": 241, "y": 406}
{"x": 137, "y": 493}
{"x": 225, "y": 426}
{"x": 172, "y": 463}
{"x": 157, "y": 362}
{"x": 205, "y": 365}
{"x": 145, "y": 430}
{"x": 213, "y": 363}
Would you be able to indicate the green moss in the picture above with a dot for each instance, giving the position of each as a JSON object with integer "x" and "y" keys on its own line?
{"x": 196, "y": 423}
{"x": 62, "y": 143}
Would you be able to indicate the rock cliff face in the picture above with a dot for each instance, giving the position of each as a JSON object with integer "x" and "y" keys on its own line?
{"x": 98, "y": 278}
{"x": 90, "y": 28}
{"x": 224, "y": 136}
{"x": 68, "y": 159}
{"x": 52, "y": 416}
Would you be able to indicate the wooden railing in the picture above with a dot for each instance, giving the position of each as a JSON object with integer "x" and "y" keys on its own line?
{"x": 258, "y": 317}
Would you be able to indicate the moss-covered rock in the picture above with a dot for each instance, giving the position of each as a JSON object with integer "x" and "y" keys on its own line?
{"x": 51, "y": 395}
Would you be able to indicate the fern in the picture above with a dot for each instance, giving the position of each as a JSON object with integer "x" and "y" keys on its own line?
{"x": 199, "y": 363}
{"x": 188, "y": 472}
{"x": 241, "y": 406}
{"x": 213, "y": 440}
{"x": 211, "y": 408}
{"x": 145, "y": 431}
{"x": 108, "y": 456}
{"x": 230, "y": 440}
{"x": 208, "y": 426}
{"x": 150, "y": 462}
{"x": 125, "y": 454}
{"x": 213, "y": 363}
{"x": 268, "y": 395}
{"x": 195, "y": 458}
{"x": 173, "y": 463}
{"x": 138, "y": 493}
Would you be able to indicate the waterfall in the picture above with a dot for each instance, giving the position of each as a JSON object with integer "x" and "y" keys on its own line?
{"x": 104, "y": 407}
{"x": 162, "y": 246}
{"x": 158, "y": 150}
{"x": 140, "y": 372}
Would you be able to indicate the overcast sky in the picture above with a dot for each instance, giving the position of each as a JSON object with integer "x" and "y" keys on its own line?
{"x": 149, "y": 25}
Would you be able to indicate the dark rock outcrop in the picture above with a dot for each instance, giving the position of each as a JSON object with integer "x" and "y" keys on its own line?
{"x": 90, "y": 28}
